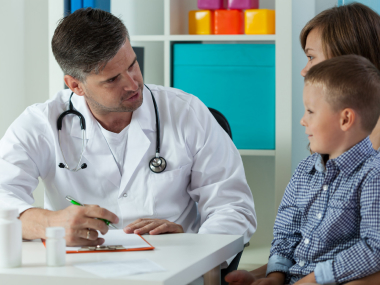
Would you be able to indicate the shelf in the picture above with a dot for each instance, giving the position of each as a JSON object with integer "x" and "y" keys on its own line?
{"x": 257, "y": 152}
{"x": 147, "y": 38}
{"x": 260, "y": 38}
{"x": 208, "y": 38}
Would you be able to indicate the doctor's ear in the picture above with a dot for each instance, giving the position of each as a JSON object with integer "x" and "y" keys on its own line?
{"x": 347, "y": 119}
{"x": 74, "y": 84}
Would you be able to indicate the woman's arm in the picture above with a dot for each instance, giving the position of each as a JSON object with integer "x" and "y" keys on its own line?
{"x": 259, "y": 272}
{"x": 373, "y": 279}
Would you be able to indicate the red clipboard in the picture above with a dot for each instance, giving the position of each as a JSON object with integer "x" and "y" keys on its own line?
{"x": 150, "y": 247}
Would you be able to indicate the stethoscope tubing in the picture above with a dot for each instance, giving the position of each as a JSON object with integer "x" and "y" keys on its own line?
{"x": 156, "y": 164}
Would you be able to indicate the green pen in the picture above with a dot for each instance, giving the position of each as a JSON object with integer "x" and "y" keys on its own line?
{"x": 72, "y": 201}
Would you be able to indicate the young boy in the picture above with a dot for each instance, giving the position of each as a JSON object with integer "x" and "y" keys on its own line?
{"x": 327, "y": 228}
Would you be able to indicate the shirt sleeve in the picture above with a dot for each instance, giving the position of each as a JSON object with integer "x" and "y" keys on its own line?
{"x": 218, "y": 182}
{"x": 286, "y": 231}
{"x": 21, "y": 150}
{"x": 363, "y": 258}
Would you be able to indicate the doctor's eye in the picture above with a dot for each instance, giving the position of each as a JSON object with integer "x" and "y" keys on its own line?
{"x": 310, "y": 57}
{"x": 112, "y": 79}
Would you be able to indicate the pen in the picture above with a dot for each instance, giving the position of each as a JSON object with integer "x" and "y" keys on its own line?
{"x": 72, "y": 201}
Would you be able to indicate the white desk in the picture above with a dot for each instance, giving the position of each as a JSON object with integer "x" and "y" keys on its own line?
{"x": 184, "y": 256}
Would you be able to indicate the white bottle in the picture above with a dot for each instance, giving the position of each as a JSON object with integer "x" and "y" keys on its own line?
{"x": 10, "y": 238}
{"x": 55, "y": 246}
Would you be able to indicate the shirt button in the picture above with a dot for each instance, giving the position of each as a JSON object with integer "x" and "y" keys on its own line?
{"x": 325, "y": 187}
{"x": 319, "y": 216}
{"x": 301, "y": 263}
{"x": 307, "y": 241}
{"x": 125, "y": 195}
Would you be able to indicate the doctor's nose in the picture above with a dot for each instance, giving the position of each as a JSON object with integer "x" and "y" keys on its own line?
{"x": 130, "y": 82}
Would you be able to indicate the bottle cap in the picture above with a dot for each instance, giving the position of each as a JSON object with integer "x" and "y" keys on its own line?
{"x": 9, "y": 213}
{"x": 55, "y": 232}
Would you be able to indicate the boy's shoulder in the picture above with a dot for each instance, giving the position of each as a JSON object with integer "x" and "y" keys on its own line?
{"x": 371, "y": 165}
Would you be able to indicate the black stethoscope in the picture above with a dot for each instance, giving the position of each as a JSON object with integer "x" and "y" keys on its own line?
{"x": 157, "y": 164}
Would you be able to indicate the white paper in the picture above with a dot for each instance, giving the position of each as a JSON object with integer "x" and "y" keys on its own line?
{"x": 109, "y": 269}
{"x": 119, "y": 237}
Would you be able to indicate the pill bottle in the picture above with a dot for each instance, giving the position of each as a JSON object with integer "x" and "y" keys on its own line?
{"x": 55, "y": 246}
{"x": 10, "y": 238}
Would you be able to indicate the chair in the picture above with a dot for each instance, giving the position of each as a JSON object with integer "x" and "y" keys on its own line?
{"x": 235, "y": 262}
{"x": 222, "y": 121}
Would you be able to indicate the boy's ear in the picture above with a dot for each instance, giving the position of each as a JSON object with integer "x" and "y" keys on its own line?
{"x": 347, "y": 119}
{"x": 74, "y": 84}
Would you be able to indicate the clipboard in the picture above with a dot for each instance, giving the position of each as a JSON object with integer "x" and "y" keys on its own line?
{"x": 107, "y": 248}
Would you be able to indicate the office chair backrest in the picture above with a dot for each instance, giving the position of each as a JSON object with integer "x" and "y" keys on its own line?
{"x": 222, "y": 121}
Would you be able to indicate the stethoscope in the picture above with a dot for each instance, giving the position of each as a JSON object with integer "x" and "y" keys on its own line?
{"x": 157, "y": 164}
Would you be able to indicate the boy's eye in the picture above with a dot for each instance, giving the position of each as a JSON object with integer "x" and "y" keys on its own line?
{"x": 309, "y": 111}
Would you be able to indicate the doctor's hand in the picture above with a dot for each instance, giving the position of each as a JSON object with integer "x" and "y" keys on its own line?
{"x": 153, "y": 227}
{"x": 80, "y": 224}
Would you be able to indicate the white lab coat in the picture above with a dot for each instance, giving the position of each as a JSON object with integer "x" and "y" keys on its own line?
{"x": 203, "y": 187}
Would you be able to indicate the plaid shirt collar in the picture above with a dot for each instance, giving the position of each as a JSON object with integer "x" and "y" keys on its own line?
{"x": 346, "y": 162}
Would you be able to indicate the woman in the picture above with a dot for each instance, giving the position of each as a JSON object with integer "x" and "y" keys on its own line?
{"x": 349, "y": 29}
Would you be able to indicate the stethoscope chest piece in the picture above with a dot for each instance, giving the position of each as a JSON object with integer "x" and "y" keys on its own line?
{"x": 157, "y": 164}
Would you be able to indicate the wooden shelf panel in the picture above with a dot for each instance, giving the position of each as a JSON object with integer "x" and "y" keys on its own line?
{"x": 208, "y": 38}
{"x": 257, "y": 152}
{"x": 259, "y": 38}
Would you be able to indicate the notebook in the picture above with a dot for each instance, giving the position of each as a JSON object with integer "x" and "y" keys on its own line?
{"x": 115, "y": 240}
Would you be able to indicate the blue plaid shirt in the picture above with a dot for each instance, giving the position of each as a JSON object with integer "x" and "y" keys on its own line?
{"x": 329, "y": 218}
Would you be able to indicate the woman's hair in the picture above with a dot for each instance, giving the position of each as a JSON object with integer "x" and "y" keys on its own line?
{"x": 348, "y": 29}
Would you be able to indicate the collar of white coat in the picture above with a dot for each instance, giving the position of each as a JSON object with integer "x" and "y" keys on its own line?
{"x": 144, "y": 116}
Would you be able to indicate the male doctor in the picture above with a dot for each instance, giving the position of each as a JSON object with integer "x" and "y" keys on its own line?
{"x": 202, "y": 190}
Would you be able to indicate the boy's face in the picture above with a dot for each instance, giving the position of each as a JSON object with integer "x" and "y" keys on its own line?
{"x": 322, "y": 123}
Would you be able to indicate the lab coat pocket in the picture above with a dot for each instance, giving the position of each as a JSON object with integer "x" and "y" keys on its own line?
{"x": 341, "y": 221}
{"x": 169, "y": 192}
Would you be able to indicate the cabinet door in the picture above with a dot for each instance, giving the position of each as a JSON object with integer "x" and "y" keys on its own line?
{"x": 236, "y": 79}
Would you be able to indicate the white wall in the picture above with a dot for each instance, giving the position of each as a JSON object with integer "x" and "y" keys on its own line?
{"x": 303, "y": 11}
{"x": 23, "y": 61}
{"x": 12, "y": 47}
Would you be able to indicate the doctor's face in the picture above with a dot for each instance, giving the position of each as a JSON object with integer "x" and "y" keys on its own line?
{"x": 118, "y": 87}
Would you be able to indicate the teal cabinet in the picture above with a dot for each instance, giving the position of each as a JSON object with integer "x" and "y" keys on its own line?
{"x": 236, "y": 79}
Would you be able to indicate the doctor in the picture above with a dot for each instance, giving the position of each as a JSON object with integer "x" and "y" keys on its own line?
{"x": 202, "y": 189}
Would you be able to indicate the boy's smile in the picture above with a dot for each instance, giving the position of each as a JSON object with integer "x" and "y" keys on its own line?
{"x": 322, "y": 123}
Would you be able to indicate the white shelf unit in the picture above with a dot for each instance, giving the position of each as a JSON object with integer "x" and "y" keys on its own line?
{"x": 155, "y": 25}
{"x": 268, "y": 171}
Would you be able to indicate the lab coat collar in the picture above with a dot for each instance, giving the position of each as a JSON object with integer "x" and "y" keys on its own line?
{"x": 97, "y": 151}
{"x": 81, "y": 106}
{"x": 145, "y": 115}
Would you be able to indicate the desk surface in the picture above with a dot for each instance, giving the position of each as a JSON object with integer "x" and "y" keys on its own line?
{"x": 184, "y": 256}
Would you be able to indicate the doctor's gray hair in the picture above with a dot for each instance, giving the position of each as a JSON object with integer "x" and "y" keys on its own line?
{"x": 86, "y": 40}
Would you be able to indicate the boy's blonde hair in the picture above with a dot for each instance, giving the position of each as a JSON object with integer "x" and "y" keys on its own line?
{"x": 350, "y": 81}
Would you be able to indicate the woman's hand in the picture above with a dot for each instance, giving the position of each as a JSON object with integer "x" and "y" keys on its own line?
{"x": 308, "y": 279}
{"x": 243, "y": 277}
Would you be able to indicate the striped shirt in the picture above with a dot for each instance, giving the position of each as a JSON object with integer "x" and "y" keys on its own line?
{"x": 329, "y": 219}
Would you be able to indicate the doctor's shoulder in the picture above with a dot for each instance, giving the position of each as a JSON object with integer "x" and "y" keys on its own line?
{"x": 37, "y": 118}
{"x": 179, "y": 100}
